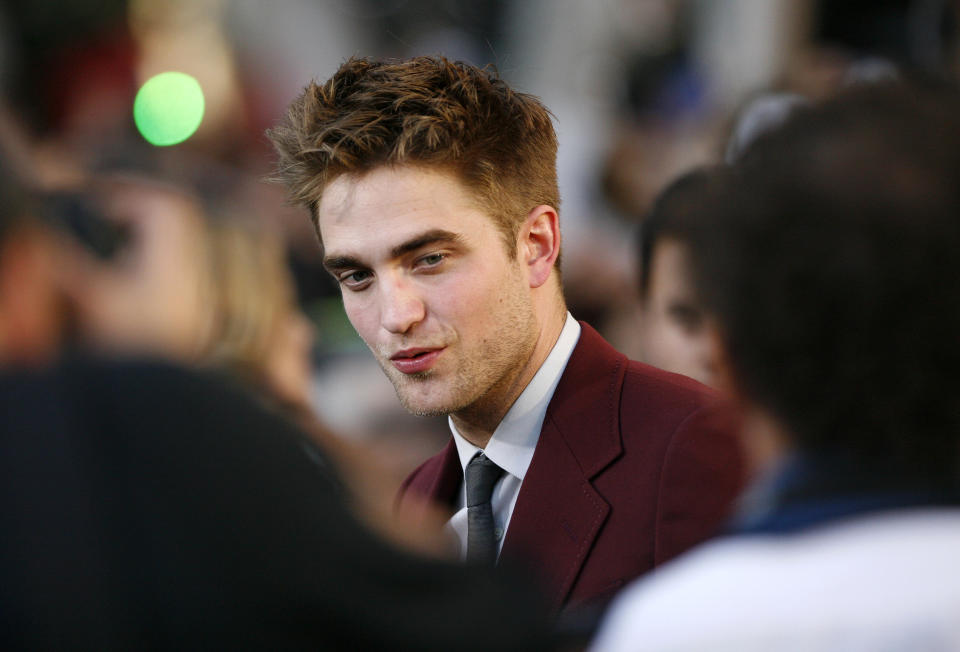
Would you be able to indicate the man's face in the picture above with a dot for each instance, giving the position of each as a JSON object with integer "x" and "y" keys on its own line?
{"x": 673, "y": 329}
{"x": 428, "y": 284}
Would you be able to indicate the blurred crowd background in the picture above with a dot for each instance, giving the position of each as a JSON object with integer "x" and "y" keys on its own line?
{"x": 642, "y": 91}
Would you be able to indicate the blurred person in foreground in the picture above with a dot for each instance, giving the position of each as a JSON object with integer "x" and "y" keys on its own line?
{"x": 147, "y": 506}
{"x": 832, "y": 276}
{"x": 433, "y": 188}
{"x": 673, "y": 325}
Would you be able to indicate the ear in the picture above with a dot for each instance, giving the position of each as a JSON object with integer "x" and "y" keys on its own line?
{"x": 538, "y": 243}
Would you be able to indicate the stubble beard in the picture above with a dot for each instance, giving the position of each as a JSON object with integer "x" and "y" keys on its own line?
{"x": 484, "y": 370}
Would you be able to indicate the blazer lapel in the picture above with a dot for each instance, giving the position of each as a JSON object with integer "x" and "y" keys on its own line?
{"x": 443, "y": 487}
{"x": 558, "y": 512}
{"x": 437, "y": 480}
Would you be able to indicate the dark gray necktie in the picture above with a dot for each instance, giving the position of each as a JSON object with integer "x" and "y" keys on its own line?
{"x": 480, "y": 476}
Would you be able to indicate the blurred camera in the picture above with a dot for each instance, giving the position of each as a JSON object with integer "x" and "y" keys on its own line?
{"x": 79, "y": 215}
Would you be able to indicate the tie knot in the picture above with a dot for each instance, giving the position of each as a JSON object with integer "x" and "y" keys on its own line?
{"x": 480, "y": 476}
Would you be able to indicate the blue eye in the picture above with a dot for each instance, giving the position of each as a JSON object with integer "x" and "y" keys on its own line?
{"x": 356, "y": 280}
{"x": 433, "y": 259}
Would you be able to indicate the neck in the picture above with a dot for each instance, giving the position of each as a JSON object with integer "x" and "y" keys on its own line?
{"x": 477, "y": 422}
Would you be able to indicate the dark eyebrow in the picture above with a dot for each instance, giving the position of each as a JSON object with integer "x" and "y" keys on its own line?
{"x": 335, "y": 263}
{"x": 430, "y": 237}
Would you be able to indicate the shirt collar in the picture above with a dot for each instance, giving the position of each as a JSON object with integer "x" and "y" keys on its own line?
{"x": 512, "y": 444}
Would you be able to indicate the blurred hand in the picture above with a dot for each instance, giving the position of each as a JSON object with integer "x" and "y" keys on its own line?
{"x": 153, "y": 298}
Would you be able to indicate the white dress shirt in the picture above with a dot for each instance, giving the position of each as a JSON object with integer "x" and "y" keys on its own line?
{"x": 512, "y": 444}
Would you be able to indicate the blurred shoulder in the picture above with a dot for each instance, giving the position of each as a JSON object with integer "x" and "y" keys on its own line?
{"x": 869, "y": 579}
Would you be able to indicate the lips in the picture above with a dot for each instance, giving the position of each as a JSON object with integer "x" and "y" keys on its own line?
{"x": 412, "y": 361}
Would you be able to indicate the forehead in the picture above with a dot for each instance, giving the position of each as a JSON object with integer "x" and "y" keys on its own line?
{"x": 374, "y": 212}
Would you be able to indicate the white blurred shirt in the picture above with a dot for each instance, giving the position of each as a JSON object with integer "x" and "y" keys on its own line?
{"x": 512, "y": 444}
{"x": 882, "y": 582}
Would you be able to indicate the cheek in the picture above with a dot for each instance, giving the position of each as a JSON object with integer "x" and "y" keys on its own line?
{"x": 682, "y": 346}
{"x": 664, "y": 343}
{"x": 467, "y": 297}
{"x": 363, "y": 315}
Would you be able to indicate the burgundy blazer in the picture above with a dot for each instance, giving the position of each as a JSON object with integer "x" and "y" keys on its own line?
{"x": 634, "y": 465}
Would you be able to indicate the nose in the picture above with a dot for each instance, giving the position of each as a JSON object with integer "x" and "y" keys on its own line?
{"x": 401, "y": 306}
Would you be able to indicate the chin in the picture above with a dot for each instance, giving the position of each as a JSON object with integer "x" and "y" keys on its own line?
{"x": 424, "y": 407}
{"x": 427, "y": 400}
{"x": 429, "y": 412}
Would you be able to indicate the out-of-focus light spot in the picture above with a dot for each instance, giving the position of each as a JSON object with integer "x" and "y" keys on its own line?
{"x": 168, "y": 108}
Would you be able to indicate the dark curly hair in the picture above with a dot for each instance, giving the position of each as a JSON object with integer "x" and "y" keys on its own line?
{"x": 424, "y": 111}
{"x": 833, "y": 267}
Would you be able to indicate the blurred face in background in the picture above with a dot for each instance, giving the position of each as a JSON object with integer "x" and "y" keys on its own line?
{"x": 258, "y": 329}
{"x": 673, "y": 328}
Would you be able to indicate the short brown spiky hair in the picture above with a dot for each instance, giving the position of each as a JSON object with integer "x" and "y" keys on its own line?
{"x": 424, "y": 111}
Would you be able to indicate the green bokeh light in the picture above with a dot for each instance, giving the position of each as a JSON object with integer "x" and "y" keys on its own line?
{"x": 168, "y": 108}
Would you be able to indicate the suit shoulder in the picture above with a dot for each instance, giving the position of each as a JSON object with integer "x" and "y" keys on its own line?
{"x": 646, "y": 387}
{"x": 669, "y": 416}
{"x": 689, "y": 431}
